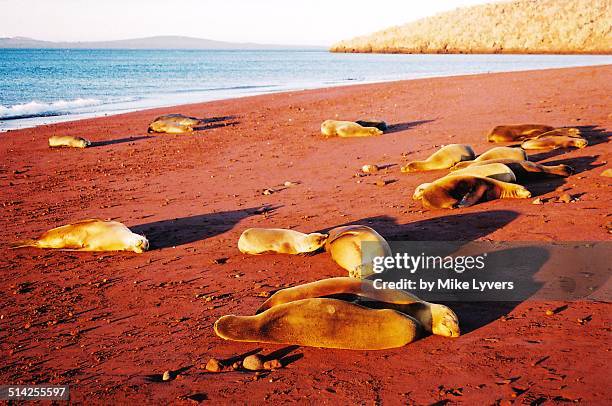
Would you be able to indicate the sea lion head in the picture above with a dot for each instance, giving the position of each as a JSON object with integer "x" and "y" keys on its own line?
{"x": 140, "y": 244}
{"x": 79, "y": 142}
{"x": 316, "y": 241}
{"x": 328, "y": 128}
{"x": 444, "y": 321}
{"x": 580, "y": 143}
{"x": 374, "y": 131}
{"x": 409, "y": 167}
{"x": 418, "y": 192}
{"x": 460, "y": 165}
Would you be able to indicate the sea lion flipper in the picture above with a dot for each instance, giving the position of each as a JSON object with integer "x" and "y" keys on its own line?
{"x": 23, "y": 244}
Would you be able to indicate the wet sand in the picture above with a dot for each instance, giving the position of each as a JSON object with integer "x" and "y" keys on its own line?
{"x": 109, "y": 324}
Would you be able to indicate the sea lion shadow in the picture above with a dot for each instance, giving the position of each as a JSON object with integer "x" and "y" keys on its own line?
{"x": 454, "y": 227}
{"x": 216, "y": 122}
{"x": 516, "y": 264}
{"x": 118, "y": 141}
{"x": 579, "y": 164}
{"x": 540, "y": 156}
{"x": 185, "y": 230}
{"x": 394, "y": 128}
{"x": 216, "y": 125}
{"x": 594, "y": 135}
{"x": 544, "y": 186}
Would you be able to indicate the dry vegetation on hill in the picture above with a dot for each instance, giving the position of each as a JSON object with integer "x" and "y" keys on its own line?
{"x": 521, "y": 26}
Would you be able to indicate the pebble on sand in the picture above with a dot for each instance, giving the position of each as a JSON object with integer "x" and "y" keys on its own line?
{"x": 253, "y": 362}
{"x": 166, "y": 376}
{"x": 565, "y": 198}
{"x": 213, "y": 365}
{"x": 369, "y": 168}
{"x": 272, "y": 364}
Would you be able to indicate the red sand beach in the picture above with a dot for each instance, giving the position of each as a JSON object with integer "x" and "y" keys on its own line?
{"x": 109, "y": 324}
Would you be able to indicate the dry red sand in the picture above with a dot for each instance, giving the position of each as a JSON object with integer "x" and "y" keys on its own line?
{"x": 108, "y": 324}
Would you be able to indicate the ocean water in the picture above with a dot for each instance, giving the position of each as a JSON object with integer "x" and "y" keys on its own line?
{"x": 39, "y": 86}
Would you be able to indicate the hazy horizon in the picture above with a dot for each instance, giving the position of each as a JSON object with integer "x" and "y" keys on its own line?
{"x": 318, "y": 23}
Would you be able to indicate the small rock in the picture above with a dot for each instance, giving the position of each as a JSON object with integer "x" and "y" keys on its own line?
{"x": 549, "y": 312}
{"x": 369, "y": 168}
{"x": 289, "y": 184}
{"x": 213, "y": 365}
{"x": 565, "y": 198}
{"x": 236, "y": 365}
{"x": 253, "y": 362}
{"x": 537, "y": 201}
{"x": 272, "y": 364}
{"x": 268, "y": 192}
{"x": 166, "y": 376}
{"x": 381, "y": 183}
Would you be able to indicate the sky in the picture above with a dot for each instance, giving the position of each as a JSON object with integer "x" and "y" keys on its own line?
{"x": 300, "y": 22}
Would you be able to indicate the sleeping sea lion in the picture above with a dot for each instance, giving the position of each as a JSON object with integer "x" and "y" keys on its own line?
{"x": 555, "y": 142}
{"x": 347, "y": 129}
{"x": 524, "y": 170}
{"x": 435, "y": 318}
{"x": 381, "y": 125}
{"x": 444, "y": 158}
{"x": 322, "y": 322}
{"x": 89, "y": 235}
{"x": 463, "y": 191}
{"x": 497, "y": 171}
{"x": 257, "y": 241}
{"x": 495, "y": 153}
{"x": 519, "y": 132}
{"x": 68, "y": 141}
{"x": 344, "y": 244}
{"x": 173, "y": 124}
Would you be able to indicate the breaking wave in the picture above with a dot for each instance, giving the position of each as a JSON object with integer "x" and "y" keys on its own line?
{"x": 41, "y": 109}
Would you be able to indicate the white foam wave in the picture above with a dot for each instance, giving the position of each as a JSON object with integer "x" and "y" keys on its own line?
{"x": 41, "y": 109}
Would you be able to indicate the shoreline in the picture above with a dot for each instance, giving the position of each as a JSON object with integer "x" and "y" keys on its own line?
{"x": 33, "y": 122}
{"x": 110, "y": 324}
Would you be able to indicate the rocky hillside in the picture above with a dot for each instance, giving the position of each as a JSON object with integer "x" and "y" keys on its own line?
{"x": 520, "y": 26}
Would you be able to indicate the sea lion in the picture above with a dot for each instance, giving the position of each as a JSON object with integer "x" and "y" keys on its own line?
{"x": 173, "y": 124}
{"x": 347, "y": 129}
{"x": 463, "y": 191}
{"x": 257, "y": 241}
{"x": 434, "y": 318}
{"x": 344, "y": 244}
{"x": 555, "y": 142}
{"x": 89, "y": 235}
{"x": 497, "y": 171}
{"x": 322, "y": 322}
{"x": 68, "y": 141}
{"x": 381, "y": 125}
{"x": 495, "y": 153}
{"x": 444, "y": 158}
{"x": 524, "y": 170}
{"x": 519, "y": 132}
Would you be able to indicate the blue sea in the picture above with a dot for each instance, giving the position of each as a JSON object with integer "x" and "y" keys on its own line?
{"x": 40, "y": 86}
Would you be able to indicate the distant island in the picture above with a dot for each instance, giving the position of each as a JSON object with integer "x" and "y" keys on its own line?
{"x": 520, "y": 26}
{"x": 160, "y": 42}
